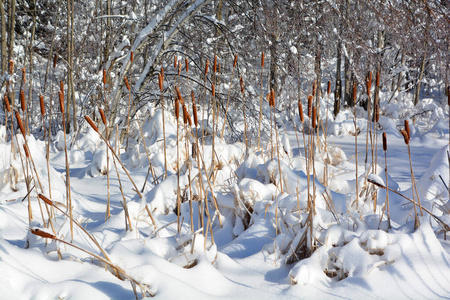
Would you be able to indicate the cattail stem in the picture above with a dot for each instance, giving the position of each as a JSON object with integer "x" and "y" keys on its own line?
{"x": 260, "y": 101}
{"x": 387, "y": 180}
{"x": 356, "y": 147}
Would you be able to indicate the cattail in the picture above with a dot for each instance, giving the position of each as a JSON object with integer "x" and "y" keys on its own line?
{"x": 127, "y": 83}
{"x": 11, "y": 66}
{"x": 187, "y": 64}
{"x": 235, "y": 61}
{"x": 179, "y": 68}
{"x": 55, "y": 59}
{"x": 194, "y": 109}
{"x": 61, "y": 86}
{"x": 213, "y": 87}
{"x": 41, "y": 101}
{"x": 8, "y": 107}
{"x": 206, "y": 67}
{"x": 241, "y": 81}
{"x": 61, "y": 102}
{"x": 24, "y": 78}
{"x": 405, "y": 136}
{"x": 185, "y": 115}
{"x": 104, "y": 77}
{"x": 369, "y": 82}
{"x": 175, "y": 62}
{"x": 262, "y": 59}
{"x": 300, "y": 111}
{"x": 25, "y": 148}
{"x": 354, "y": 93}
{"x": 19, "y": 122}
{"x": 22, "y": 100}
{"x": 310, "y": 99}
{"x": 314, "y": 117}
{"x": 189, "y": 118}
{"x": 177, "y": 108}
{"x": 162, "y": 73}
{"x": 329, "y": 87}
{"x": 42, "y": 234}
{"x": 314, "y": 87}
{"x": 131, "y": 56}
{"x": 218, "y": 68}
{"x": 384, "y": 142}
{"x": 102, "y": 114}
{"x": 160, "y": 80}
{"x": 89, "y": 120}
{"x": 45, "y": 199}
{"x": 377, "y": 113}
{"x": 377, "y": 81}
{"x": 215, "y": 64}
{"x": 178, "y": 92}
{"x": 408, "y": 131}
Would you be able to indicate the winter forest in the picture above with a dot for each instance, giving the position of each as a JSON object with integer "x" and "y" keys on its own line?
{"x": 217, "y": 149}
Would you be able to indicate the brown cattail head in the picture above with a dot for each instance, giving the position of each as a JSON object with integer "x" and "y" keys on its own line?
{"x": 300, "y": 111}
{"x": 179, "y": 67}
{"x": 186, "y": 61}
{"x": 408, "y": 131}
{"x": 55, "y": 60}
{"x": 11, "y": 66}
{"x": 41, "y": 102}
{"x": 19, "y": 122}
{"x": 193, "y": 97}
{"x": 310, "y": 100}
{"x": 25, "y": 148}
{"x": 235, "y": 61}
{"x": 354, "y": 93}
{"x": 215, "y": 64}
{"x": 377, "y": 81}
{"x": 178, "y": 92}
{"x": 102, "y": 114}
{"x": 160, "y": 82}
{"x": 384, "y": 142}
{"x": 377, "y": 113}
{"x": 89, "y": 120}
{"x": 185, "y": 114}
{"x": 213, "y": 88}
{"x": 241, "y": 81}
{"x": 405, "y": 136}
{"x": 104, "y": 77}
{"x": 42, "y": 234}
{"x": 175, "y": 62}
{"x": 24, "y": 77}
{"x": 162, "y": 73}
{"x": 369, "y": 82}
{"x": 314, "y": 117}
{"x": 194, "y": 111}
{"x": 61, "y": 102}
{"x": 177, "y": 108}
{"x": 61, "y": 86}
{"x": 45, "y": 199}
{"x": 206, "y": 66}
{"x": 263, "y": 56}
{"x": 8, "y": 107}
{"x": 126, "y": 82}
{"x": 22, "y": 100}
{"x": 329, "y": 87}
{"x": 272, "y": 97}
{"x": 314, "y": 87}
{"x": 131, "y": 56}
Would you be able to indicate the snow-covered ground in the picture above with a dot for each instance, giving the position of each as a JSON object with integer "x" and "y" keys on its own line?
{"x": 263, "y": 227}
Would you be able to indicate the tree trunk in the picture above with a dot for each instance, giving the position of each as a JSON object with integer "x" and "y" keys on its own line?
{"x": 419, "y": 80}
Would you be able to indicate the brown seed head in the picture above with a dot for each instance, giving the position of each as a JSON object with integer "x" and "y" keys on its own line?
{"x": 369, "y": 82}
{"x": 408, "y": 131}
{"x": 55, "y": 60}
{"x": 177, "y": 108}
{"x": 310, "y": 99}
{"x": 185, "y": 121}
{"x": 89, "y": 120}
{"x": 194, "y": 111}
{"x": 384, "y": 142}
{"x": 272, "y": 97}
{"x": 175, "y": 62}
{"x": 263, "y": 56}
{"x": 102, "y": 114}
{"x": 178, "y": 92}
{"x": 206, "y": 66}
{"x": 27, "y": 153}
{"x": 314, "y": 117}
{"x": 11, "y": 66}
{"x": 45, "y": 199}
{"x": 300, "y": 111}
{"x": 405, "y": 136}
{"x": 377, "y": 113}
{"x": 329, "y": 87}
{"x": 162, "y": 73}
{"x": 22, "y": 100}
{"x": 61, "y": 86}
{"x": 314, "y": 87}
{"x": 193, "y": 97}
{"x": 42, "y": 234}
{"x": 241, "y": 81}
{"x": 8, "y": 107}
{"x": 19, "y": 122}
{"x": 235, "y": 61}
{"x": 131, "y": 56}
{"x": 160, "y": 81}
{"x": 179, "y": 68}
{"x": 61, "y": 102}
{"x": 215, "y": 64}
{"x": 104, "y": 77}
{"x": 127, "y": 83}
{"x": 41, "y": 102}
{"x": 186, "y": 62}
{"x": 354, "y": 93}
